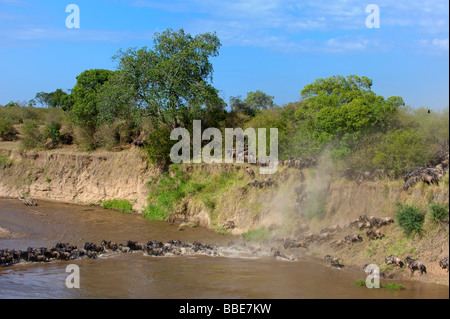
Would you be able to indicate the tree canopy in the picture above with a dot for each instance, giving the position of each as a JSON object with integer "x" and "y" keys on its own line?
{"x": 169, "y": 82}
{"x": 343, "y": 106}
{"x": 254, "y": 102}
{"x": 85, "y": 96}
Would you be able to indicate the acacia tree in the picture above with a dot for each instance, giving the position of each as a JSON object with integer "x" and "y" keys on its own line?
{"x": 170, "y": 82}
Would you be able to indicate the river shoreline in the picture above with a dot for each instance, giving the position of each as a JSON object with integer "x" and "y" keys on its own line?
{"x": 301, "y": 255}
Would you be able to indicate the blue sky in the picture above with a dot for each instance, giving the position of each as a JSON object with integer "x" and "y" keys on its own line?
{"x": 277, "y": 46}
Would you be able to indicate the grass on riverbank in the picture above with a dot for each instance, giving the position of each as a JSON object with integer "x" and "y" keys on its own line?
{"x": 122, "y": 205}
{"x": 219, "y": 192}
{"x": 390, "y": 286}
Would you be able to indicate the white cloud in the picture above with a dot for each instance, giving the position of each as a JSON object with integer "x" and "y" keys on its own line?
{"x": 441, "y": 44}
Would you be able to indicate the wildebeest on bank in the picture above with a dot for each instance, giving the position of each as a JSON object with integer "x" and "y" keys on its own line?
{"x": 414, "y": 265}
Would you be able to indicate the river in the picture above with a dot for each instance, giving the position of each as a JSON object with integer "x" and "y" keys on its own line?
{"x": 139, "y": 276}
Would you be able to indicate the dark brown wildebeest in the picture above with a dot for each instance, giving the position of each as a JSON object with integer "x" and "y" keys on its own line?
{"x": 392, "y": 260}
{"x": 444, "y": 263}
{"x": 255, "y": 183}
{"x": 135, "y": 245}
{"x": 414, "y": 265}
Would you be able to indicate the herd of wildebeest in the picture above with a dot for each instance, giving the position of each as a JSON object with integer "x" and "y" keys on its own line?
{"x": 66, "y": 251}
{"x": 371, "y": 224}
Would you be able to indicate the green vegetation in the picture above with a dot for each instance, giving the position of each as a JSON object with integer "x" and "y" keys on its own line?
{"x": 439, "y": 212}
{"x": 168, "y": 85}
{"x": 410, "y": 219}
{"x": 118, "y": 204}
{"x": 5, "y": 162}
{"x": 391, "y": 286}
{"x": 156, "y": 89}
{"x": 7, "y": 131}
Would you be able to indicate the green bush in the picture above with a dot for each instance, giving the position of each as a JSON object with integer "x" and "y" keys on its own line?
{"x": 118, "y": 204}
{"x": 7, "y": 131}
{"x": 32, "y": 136}
{"x": 439, "y": 212}
{"x": 5, "y": 162}
{"x": 410, "y": 219}
{"x": 52, "y": 132}
{"x": 401, "y": 151}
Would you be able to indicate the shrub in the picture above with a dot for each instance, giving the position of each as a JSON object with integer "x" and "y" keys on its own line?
{"x": 401, "y": 151}
{"x": 5, "y": 162}
{"x": 106, "y": 136}
{"x": 52, "y": 132}
{"x": 32, "y": 136}
{"x": 439, "y": 212}
{"x": 84, "y": 139}
{"x": 118, "y": 204}
{"x": 159, "y": 145}
{"x": 7, "y": 131}
{"x": 410, "y": 219}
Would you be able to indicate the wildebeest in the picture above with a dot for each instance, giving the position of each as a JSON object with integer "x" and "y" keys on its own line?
{"x": 337, "y": 243}
{"x": 295, "y": 244}
{"x": 324, "y": 237}
{"x": 255, "y": 183}
{"x": 392, "y": 260}
{"x": 444, "y": 263}
{"x": 334, "y": 261}
{"x": 280, "y": 255}
{"x": 383, "y": 221}
{"x": 268, "y": 182}
{"x": 414, "y": 265}
{"x": 374, "y": 234}
{"x": 331, "y": 229}
{"x": 93, "y": 247}
{"x": 250, "y": 172}
{"x": 133, "y": 245}
{"x": 353, "y": 238}
{"x": 229, "y": 225}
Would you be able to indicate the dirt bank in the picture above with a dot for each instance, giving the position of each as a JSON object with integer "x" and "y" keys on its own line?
{"x": 76, "y": 177}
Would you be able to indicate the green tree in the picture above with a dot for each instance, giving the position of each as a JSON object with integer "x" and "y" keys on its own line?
{"x": 43, "y": 98}
{"x": 259, "y": 100}
{"x": 170, "y": 82}
{"x": 85, "y": 97}
{"x": 343, "y": 106}
{"x": 254, "y": 102}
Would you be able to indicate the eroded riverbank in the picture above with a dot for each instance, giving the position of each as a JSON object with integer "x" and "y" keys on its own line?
{"x": 139, "y": 276}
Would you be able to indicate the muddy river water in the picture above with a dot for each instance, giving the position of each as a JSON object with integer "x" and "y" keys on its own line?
{"x": 139, "y": 276}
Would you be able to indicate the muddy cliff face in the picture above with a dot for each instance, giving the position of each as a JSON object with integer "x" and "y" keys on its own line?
{"x": 77, "y": 178}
